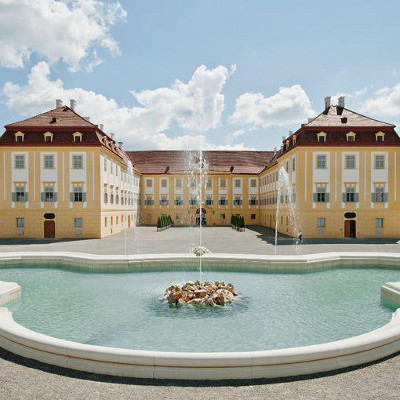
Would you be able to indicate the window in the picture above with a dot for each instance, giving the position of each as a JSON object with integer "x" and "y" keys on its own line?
{"x": 238, "y": 183}
{"x": 223, "y": 201}
{"x": 164, "y": 201}
{"x": 19, "y": 161}
{"x": 253, "y": 183}
{"x": 351, "y": 138}
{"x": 193, "y": 182}
{"x": 178, "y": 183}
{"x": 287, "y": 166}
{"x": 222, "y": 217}
{"x": 320, "y": 222}
{"x": 321, "y": 137}
{"x": 47, "y": 139}
{"x": 237, "y": 201}
{"x": 321, "y": 161}
{"x": 77, "y": 139}
{"x": 253, "y": 216}
{"x": 78, "y": 223}
{"x": 149, "y": 183}
{"x": 105, "y": 165}
{"x": 20, "y": 194}
{"x": 105, "y": 195}
{"x": 48, "y": 194}
{"x": 350, "y": 161}
{"x": 379, "y": 196}
{"x": 253, "y": 200}
{"x": 77, "y": 194}
{"x": 178, "y": 201}
{"x": 77, "y": 161}
{"x": 320, "y": 195}
{"x": 19, "y": 137}
{"x": 193, "y": 201}
{"x": 178, "y": 217}
{"x": 105, "y": 221}
{"x": 209, "y": 201}
{"x": 380, "y": 139}
{"x": 379, "y": 161}
{"x": 149, "y": 201}
{"x": 378, "y": 222}
{"x": 20, "y": 222}
{"x": 164, "y": 183}
{"x": 48, "y": 161}
{"x": 350, "y": 195}
{"x": 222, "y": 183}
{"x": 293, "y": 164}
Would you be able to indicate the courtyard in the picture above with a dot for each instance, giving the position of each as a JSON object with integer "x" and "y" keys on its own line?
{"x": 146, "y": 240}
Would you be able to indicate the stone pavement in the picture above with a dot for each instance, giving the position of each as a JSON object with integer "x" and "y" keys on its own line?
{"x": 146, "y": 240}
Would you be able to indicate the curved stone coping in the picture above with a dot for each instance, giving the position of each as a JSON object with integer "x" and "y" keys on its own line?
{"x": 9, "y": 291}
{"x": 391, "y": 291}
{"x": 115, "y": 263}
{"x": 169, "y": 365}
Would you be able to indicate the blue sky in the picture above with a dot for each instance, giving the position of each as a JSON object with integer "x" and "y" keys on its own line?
{"x": 249, "y": 50}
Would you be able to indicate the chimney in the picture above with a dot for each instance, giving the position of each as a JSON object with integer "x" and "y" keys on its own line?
{"x": 327, "y": 102}
{"x": 112, "y": 135}
{"x": 72, "y": 104}
{"x": 341, "y": 101}
{"x": 58, "y": 103}
{"x": 120, "y": 144}
{"x": 101, "y": 126}
{"x": 274, "y": 150}
{"x": 290, "y": 133}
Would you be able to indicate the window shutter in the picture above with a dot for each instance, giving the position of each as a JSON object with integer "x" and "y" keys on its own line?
{"x": 356, "y": 197}
{"x": 373, "y": 197}
{"x": 84, "y": 196}
{"x": 344, "y": 197}
{"x": 315, "y": 197}
{"x": 71, "y": 196}
{"x": 42, "y": 196}
{"x": 26, "y": 196}
{"x": 55, "y": 196}
{"x": 14, "y": 196}
{"x": 327, "y": 197}
{"x": 385, "y": 197}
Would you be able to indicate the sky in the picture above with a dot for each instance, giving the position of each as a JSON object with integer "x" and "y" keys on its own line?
{"x": 189, "y": 74}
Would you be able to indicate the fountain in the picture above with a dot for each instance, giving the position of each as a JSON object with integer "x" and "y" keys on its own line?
{"x": 285, "y": 193}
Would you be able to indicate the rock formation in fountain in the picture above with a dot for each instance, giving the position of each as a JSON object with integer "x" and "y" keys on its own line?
{"x": 201, "y": 293}
{"x": 200, "y": 250}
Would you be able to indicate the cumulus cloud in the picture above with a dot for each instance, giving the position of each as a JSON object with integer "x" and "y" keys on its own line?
{"x": 234, "y": 135}
{"x": 385, "y": 102}
{"x": 195, "y": 106}
{"x": 290, "y": 105}
{"x": 67, "y": 30}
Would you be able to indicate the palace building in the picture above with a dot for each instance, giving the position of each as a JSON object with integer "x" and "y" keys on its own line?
{"x": 62, "y": 176}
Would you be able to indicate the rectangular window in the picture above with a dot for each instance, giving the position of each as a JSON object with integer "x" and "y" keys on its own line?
{"x": 164, "y": 201}
{"x": 321, "y": 195}
{"x": 320, "y": 222}
{"x": 321, "y": 139}
{"x": 19, "y": 161}
{"x": 78, "y": 194}
{"x": 293, "y": 164}
{"x": 351, "y": 138}
{"x": 193, "y": 201}
{"x": 350, "y": 161}
{"x": 253, "y": 216}
{"x": 193, "y": 182}
{"x": 350, "y": 195}
{"x": 378, "y": 222}
{"x": 253, "y": 201}
{"x": 379, "y": 138}
{"x": 222, "y": 183}
{"x": 321, "y": 161}
{"x": 20, "y": 193}
{"x": 178, "y": 183}
{"x": 237, "y": 201}
{"x": 379, "y": 161}
{"x": 77, "y": 161}
{"x": 209, "y": 183}
{"x": 164, "y": 183}
{"x": 149, "y": 183}
{"x": 149, "y": 201}
{"x": 238, "y": 183}
{"x": 253, "y": 183}
{"x": 20, "y": 222}
{"x": 178, "y": 201}
{"x": 379, "y": 195}
{"x": 178, "y": 217}
{"x": 223, "y": 201}
{"x": 105, "y": 221}
{"x": 48, "y": 161}
{"x": 222, "y": 217}
{"x": 209, "y": 201}
{"x": 78, "y": 223}
{"x": 105, "y": 165}
{"x": 49, "y": 193}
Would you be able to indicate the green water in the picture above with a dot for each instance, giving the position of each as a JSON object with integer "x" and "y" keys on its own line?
{"x": 275, "y": 310}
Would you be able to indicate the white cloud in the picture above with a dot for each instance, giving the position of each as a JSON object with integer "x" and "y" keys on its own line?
{"x": 68, "y": 30}
{"x": 385, "y": 102}
{"x": 290, "y": 105}
{"x": 195, "y": 106}
{"x": 234, "y": 135}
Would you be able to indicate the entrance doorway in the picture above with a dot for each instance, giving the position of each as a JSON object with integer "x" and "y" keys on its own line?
{"x": 49, "y": 229}
{"x": 350, "y": 228}
{"x": 203, "y": 217}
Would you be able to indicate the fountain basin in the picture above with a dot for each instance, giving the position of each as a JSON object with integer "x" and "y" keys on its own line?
{"x": 216, "y": 365}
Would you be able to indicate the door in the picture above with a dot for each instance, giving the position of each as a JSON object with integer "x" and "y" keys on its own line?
{"x": 350, "y": 228}
{"x": 49, "y": 229}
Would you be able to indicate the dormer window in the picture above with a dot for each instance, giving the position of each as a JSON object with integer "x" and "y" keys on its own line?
{"x": 294, "y": 139}
{"x": 77, "y": 137}
{"x": 380, "y": 137}
{"x": 321, "y": 137}
{"x": 48, "y": 137}
{"x": 19, "y": 137}
{"x": 351, "y": 137}
{"x": 287, "y": 144}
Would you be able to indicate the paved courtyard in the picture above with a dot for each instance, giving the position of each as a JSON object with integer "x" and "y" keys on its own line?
{"x": 26, "y": 379}
{"x": 146, "y": 240}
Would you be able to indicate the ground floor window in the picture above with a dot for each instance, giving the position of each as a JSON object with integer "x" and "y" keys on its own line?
{"x": 378, "y": 222}
{"x": 78, "y": 223}
{"x": 222, "y": 217}
{"x": 320, "y": 222}
{"x": 253, "y": 216}
{"x": 178, "y": 217}
{"x": 105, "y": 221}
{"x": 20, "y": 222}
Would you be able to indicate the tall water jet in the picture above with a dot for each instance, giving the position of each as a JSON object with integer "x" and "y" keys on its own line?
{"x": 286, "y": 195}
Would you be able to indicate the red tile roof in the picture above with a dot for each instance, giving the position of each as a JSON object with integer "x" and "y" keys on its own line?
{"x": 175, "y": 161}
